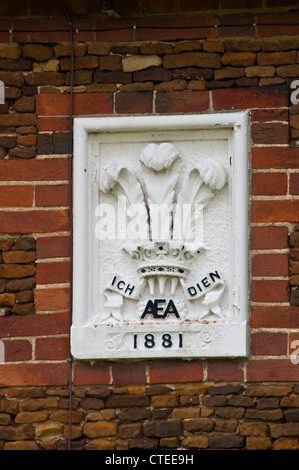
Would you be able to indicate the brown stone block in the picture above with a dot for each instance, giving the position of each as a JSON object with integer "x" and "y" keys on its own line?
{"x": 197, "y": 442}
{"x": 19, "y": 152}
{"x": 27, "y": 140}
{"x": 10, "y": 51}
{"x": 31, "y": 417}
{"x": 286, "y": 71}
{"x": 98, "y": 48}
{"x": 19, "y": 257}
{"x": 276, "y": 58}
{"x": 45, "y": 78}
{"x": 157, "y": 48}
{"x": 20, "y": 284}
{"x": 64, "y": 49}
{"x": 17, "y": 119}
{"x": 100, "y": 429}
{"x": 100, "y": 444}
{"x": 7, "y": 300}
{"x": 192, "y": 59}
{"x": 37, "y": 52}
{"x": 229, "y": 72}
{"x": 254, "y": 429}
{"x": 26, "y": 104}
{"x": 260, "y": 71}
{"x": 198, "y": 424}
{"x": 162, "y": 428}
{"x": 258, "y": 443}
{"x": 12, "y": 78}
{"x": 242, "y": 45}
{"x": 286, "y": 443}
{"x": 130, "y": 431}
{"x": 284, "y": 429}
{"x": 6, "y": 244}
{"x": 16, "y": 271}
{"x": 238, "y": 59}
{"x": 85, "y": 62}
{"x": 226, "y": 441}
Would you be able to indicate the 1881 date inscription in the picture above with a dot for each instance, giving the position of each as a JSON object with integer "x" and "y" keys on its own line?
{"x": 166, "y": 340}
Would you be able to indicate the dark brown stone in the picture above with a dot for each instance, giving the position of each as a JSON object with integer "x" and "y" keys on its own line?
{"x": 122, "y": 401}
{"x": 198, "y": 424}
{"x": 162, "y": 428}
{"x": 191, "y": 73}
{"x": 144, "y": 444}
{"x": 134, "y": 414}
{"x": 155, "y": 74}
{"x": 112, "y": 77}
{"x": 23, "y": 309}
{"x": 229, "y": 389}
{"x": 226, "y": 441}
{"x": 24, "y": 244}
{"x": 216, "y": 400}
{"x": 8, "y": 140}
{"x": 18, "y": 152}
{"x": 90, "y": 403}
{"x": 20, "y": 284}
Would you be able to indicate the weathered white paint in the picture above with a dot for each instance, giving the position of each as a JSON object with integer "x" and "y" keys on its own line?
{"x": 212, "y": 311}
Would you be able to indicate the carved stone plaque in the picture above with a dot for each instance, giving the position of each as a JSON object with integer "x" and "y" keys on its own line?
{"x": 160, "y": 237}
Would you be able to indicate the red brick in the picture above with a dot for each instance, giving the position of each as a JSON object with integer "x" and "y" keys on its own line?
{"x": 269, "y": 183}
{"x": 246, "y": 98}
{"x": 34, "y": 325}
{"x": 4, "y": 31}
{"x": 261, "y": 115}
{"x": 270, "y": 133}
{"x": 182, "y": 102}
{"x": 53, "y": 247}
{"x": 275, "y": 157}
{"x": 84, "y": 103}
{"x": 277, "y": 24}
{"x": 34, "y": 221}
{"x": 269, "y": 291}
{"x": 294, "y": 183}
{"x": 31, "y": 374}
{"x": 87, "y": 374}
{"x": 175, "y": 371}
{"x": 270, "y": 265}
{"x": 51, "y": 273}
{"x": 117, "y": 31}
{"x": 129, "y": 373}
{"x": 34, "y": 170}
{"x": 267, "y": 237}
{"x": 200, "y": 5}
{"x": 16, "y": 196}
{"x": 51, "y": 349}
{"x": 132, "y": 103}
{"x": 269, "y": 344}
{"x": 40, "y": 30}
{"x": 238, "y": 5}
{"x": 18, "y": 350}
{"x": 160, "y": 6}
{"x": 52, "y": 195}
{"x": 73, "y": 8}
{"x": 274, "y": 317}
{"x": 7, "y": 8}
{"x": 236, "y": 25}
{"x": 272, "y": 370}
{"x": 181, "y": 27}
{"x": 227, "y": 370}
{"x": 275, "y": 210}
{"x": 51, "y": 300}
{"x": 45, "y": 124}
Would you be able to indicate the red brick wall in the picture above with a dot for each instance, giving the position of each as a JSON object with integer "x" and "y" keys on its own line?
{"x": 190, "y": 59}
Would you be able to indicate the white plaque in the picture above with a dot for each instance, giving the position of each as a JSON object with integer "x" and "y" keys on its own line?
{"x": 160, "y": 208}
